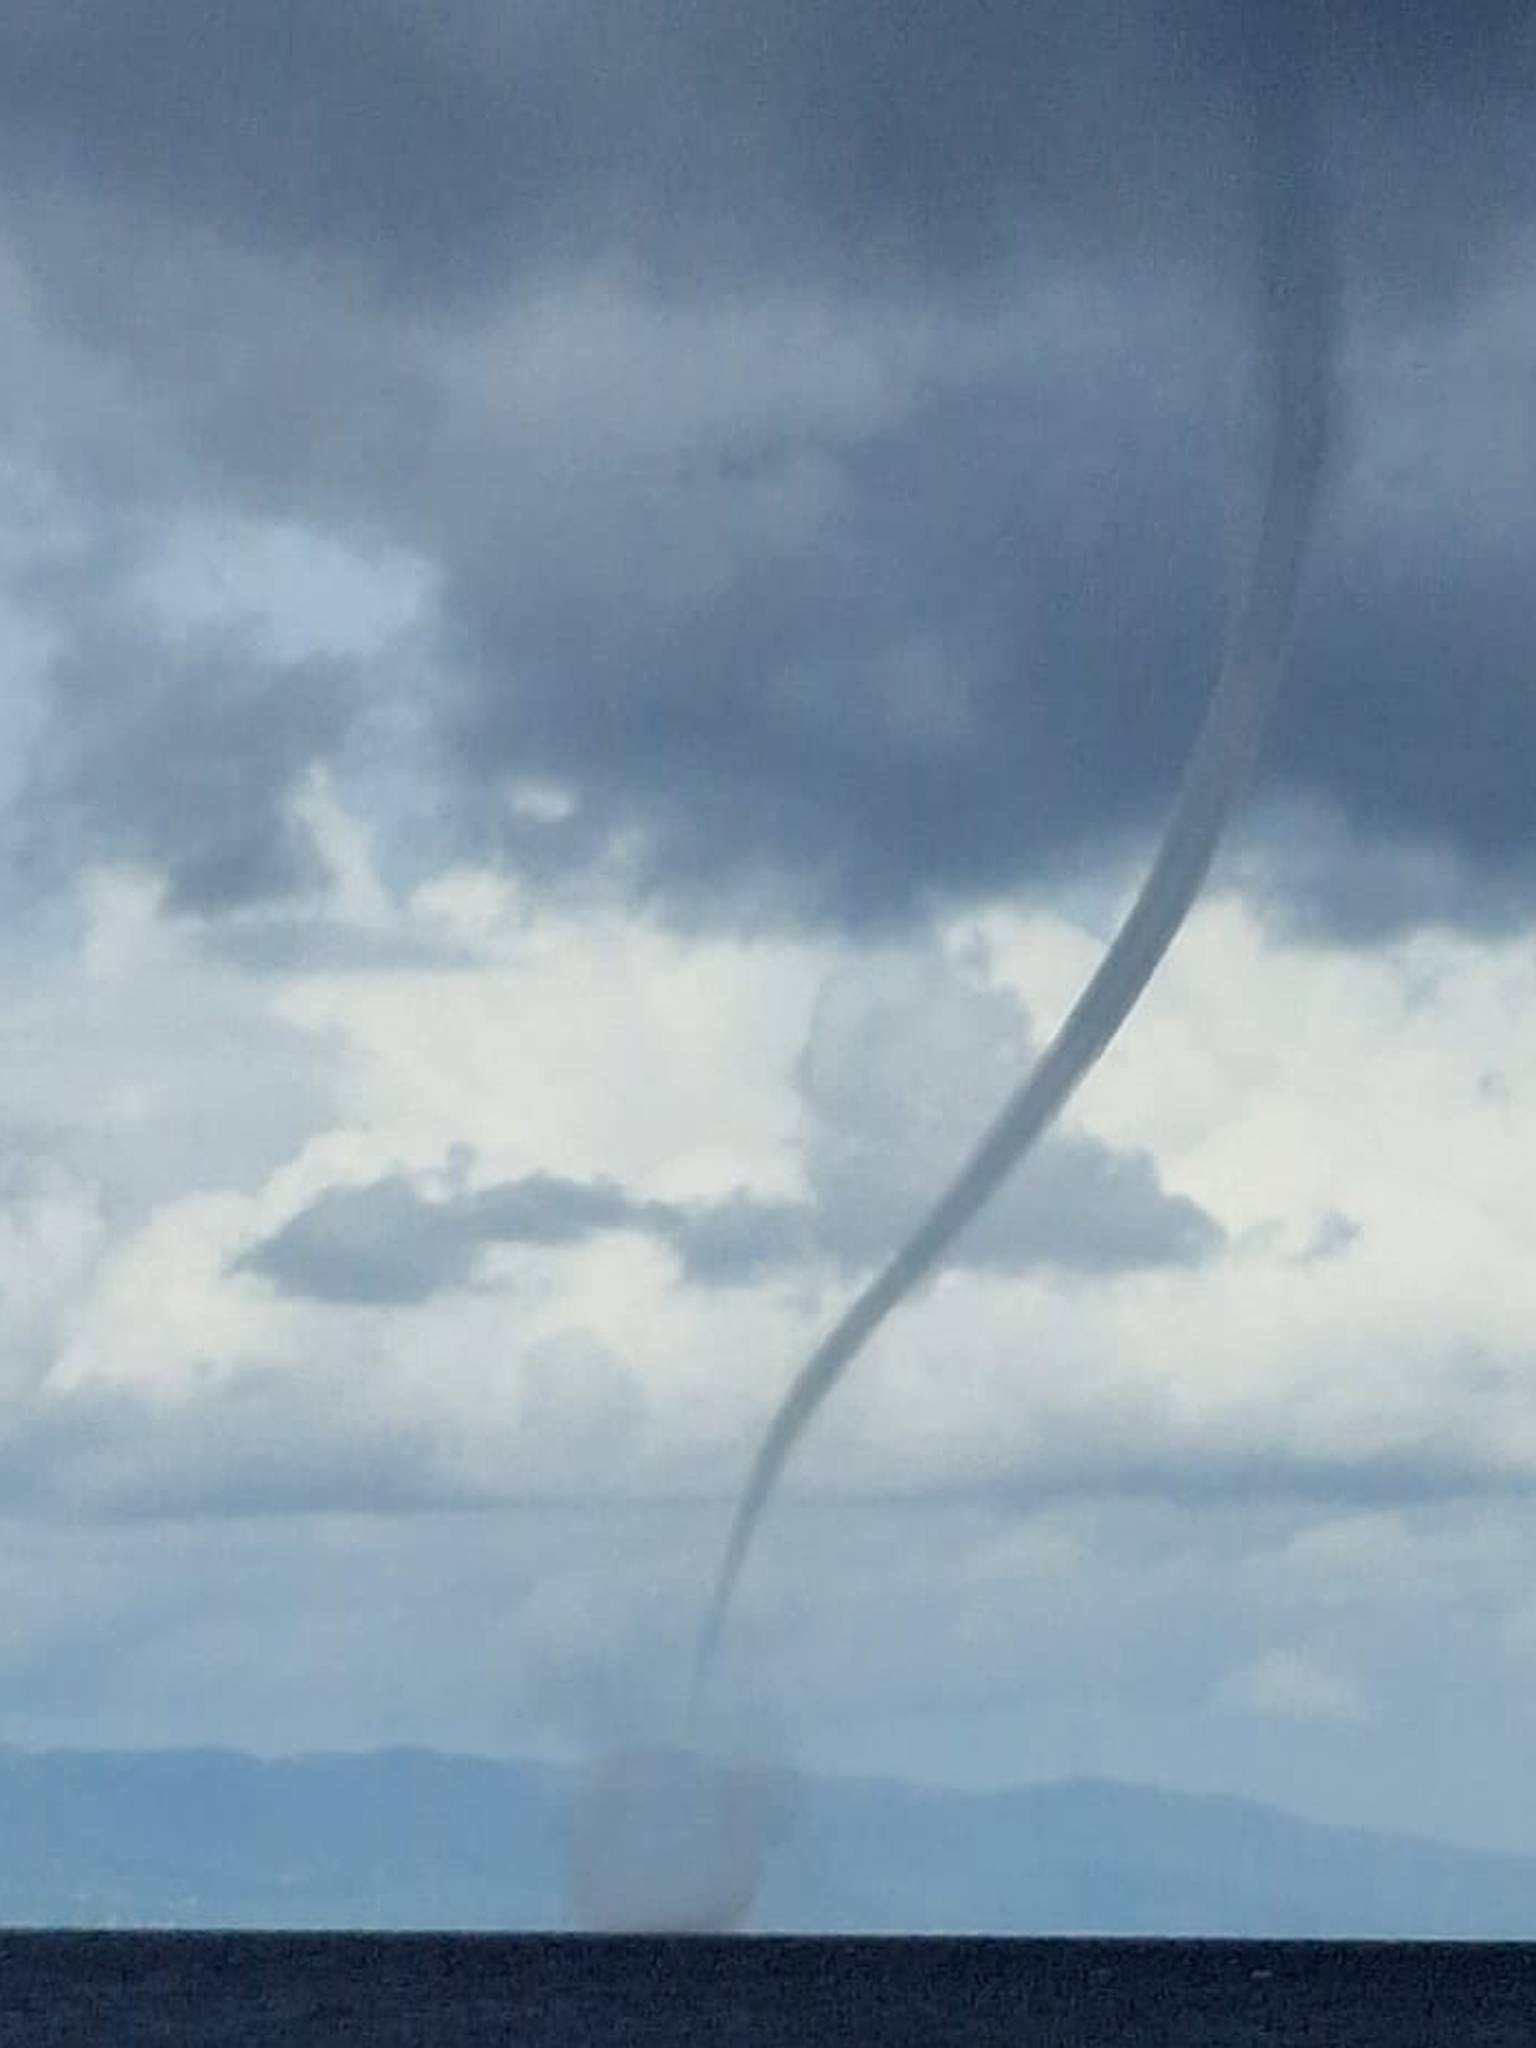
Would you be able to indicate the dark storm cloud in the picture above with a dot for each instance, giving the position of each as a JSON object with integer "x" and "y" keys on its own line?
{"x": 987, "y": 653}
{"x": 405, "y": 142}
{"x": 957, "y": 638}
{"x": 179, "y": 756}
{"x": 468, "y": 143}
{"x": 995, "y": 641}
{"x": 1323, "y": 876}
{"x": 449, "y": 150}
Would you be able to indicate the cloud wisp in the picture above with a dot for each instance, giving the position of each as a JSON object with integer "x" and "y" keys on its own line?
{"x": 1297, "y": 321}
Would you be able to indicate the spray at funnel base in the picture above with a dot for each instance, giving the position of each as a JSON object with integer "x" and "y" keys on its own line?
{"x": 671, "y": 1841}
{"x": 1296, "y": 330}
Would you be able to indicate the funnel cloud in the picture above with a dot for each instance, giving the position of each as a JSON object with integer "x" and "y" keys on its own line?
{"x": 1296, "y": 322}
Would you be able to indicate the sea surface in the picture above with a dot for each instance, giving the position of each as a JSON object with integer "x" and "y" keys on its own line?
{"x": 127, "y": 1990}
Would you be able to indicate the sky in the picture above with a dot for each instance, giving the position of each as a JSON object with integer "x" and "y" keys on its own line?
{"x": 599, "y": 609}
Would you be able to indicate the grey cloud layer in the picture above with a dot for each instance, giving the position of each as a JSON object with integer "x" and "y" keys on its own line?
{"x": 924, "y": 599}
{"x": 905, "y": 1057}
{"x": 389, "y": 1242}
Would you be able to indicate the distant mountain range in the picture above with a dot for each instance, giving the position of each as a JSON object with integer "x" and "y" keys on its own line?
{"x": 414, "y": 1839}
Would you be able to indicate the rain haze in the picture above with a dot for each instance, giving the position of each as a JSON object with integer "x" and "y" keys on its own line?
{"x": 601, "y": 611}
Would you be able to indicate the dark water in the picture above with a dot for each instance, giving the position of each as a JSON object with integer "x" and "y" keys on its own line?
{"x": 218, "y": 1990}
